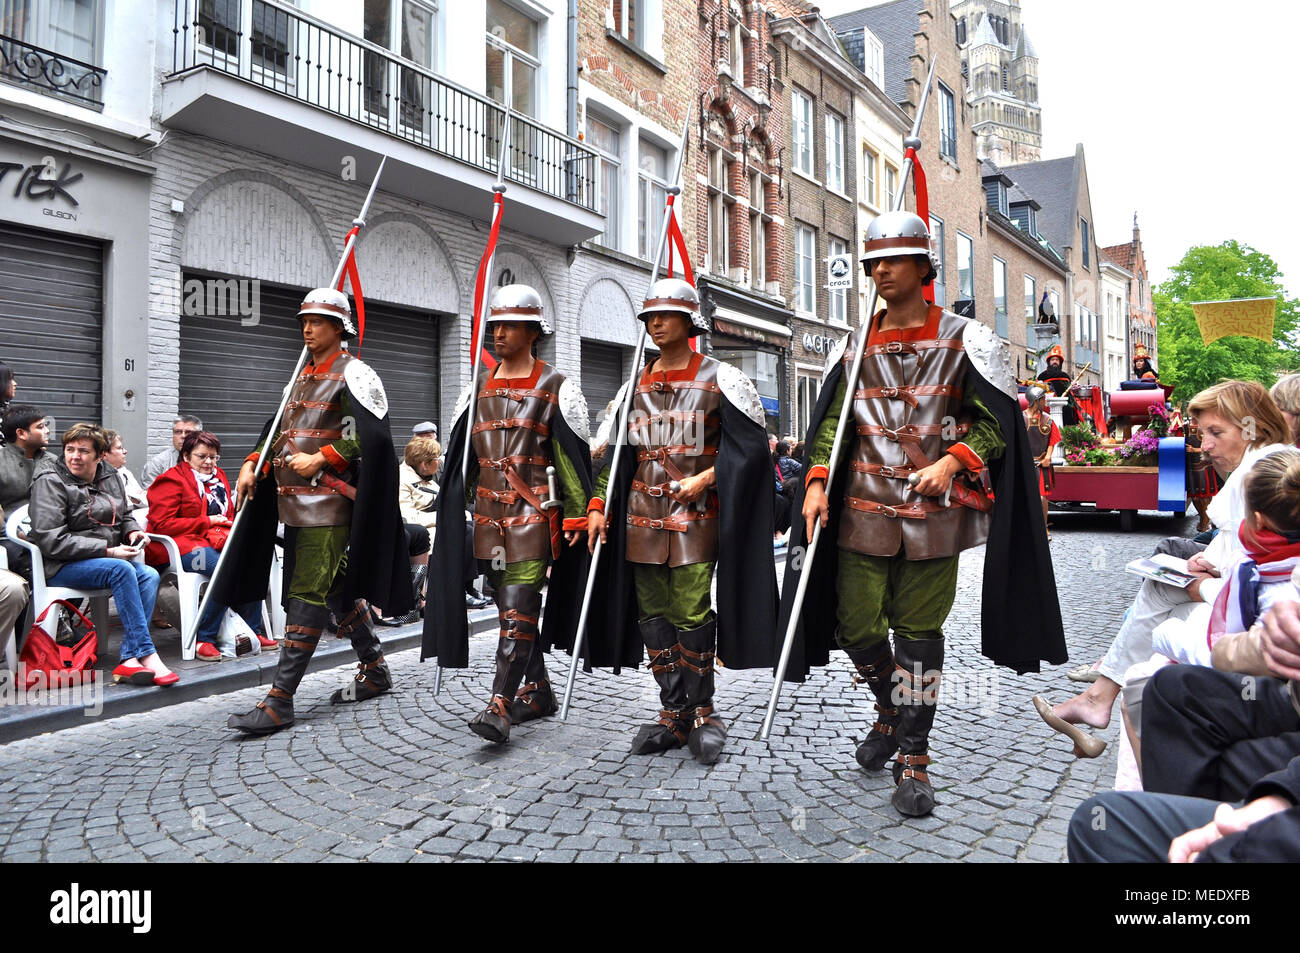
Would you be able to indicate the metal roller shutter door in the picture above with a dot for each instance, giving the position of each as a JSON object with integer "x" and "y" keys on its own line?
{"x": 602, "y": 376}
{"x": 233, "y": 376}
{"x": 51, "y": 321}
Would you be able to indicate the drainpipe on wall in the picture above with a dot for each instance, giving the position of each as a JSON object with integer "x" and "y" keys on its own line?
{"x": 572, "y": 70}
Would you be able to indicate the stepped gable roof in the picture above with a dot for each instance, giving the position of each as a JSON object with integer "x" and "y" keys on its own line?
{"x": 1121, "y": 255}
{"x": 895, "y": 24}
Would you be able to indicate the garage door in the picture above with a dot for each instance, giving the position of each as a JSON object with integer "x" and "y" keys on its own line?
{"x": 51, "y": 320}
{"x": 602, "y": 376}
{"x": 232, "y": 376}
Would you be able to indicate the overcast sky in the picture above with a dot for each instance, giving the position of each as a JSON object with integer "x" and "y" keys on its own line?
{"x": 1186, "y": 113}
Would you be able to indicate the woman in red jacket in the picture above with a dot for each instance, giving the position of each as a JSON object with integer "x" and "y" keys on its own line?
{"x": 192, "y": 504}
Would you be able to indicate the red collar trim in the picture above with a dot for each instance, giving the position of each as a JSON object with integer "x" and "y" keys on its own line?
{"x": 926, "y": 332}
{"x": 687, "y": 373}
{"x": 516, "y": 383}
{"x": 322, "y": 368}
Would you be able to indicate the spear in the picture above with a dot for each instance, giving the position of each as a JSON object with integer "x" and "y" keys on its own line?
{"x": 912, "y": 143}
{"x": 618, "y": 433}
{"x": 357, "y": 224}
{"x": 480, "y": 321}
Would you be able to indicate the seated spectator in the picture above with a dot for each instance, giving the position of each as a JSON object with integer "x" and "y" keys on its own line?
{"x": 788, "y": 465}
{"x": 417, "y": 491}
{"x": 8, "y": 388}
{"x": 163, "y": 460}
{"x": 1221, "y": 413}
{"x": 135, "y": 493}
{"x": 425, "y": 428}
{"x": 192, "y": 503}
{"x": 13, "y": 601}
{"x": 22, "y": 456}
{"x": 1286, "y": 393}
{"x": 1151, "y": 827}
{"x": 81, "y": 522}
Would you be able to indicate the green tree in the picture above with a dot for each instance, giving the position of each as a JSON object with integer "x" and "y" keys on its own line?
{"x": 1217, "y": 273}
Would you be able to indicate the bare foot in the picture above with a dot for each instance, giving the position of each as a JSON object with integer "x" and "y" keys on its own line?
{"x": 1092, "y": 707}
{"x": 154, "y": 663}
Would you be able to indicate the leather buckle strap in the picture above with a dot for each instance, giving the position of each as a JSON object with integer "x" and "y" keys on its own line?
{"x": 914, "y": 760}
{"x": 314, "y": 434}
{"x": 671, "y": 386}
{"x": 314, "y": 404}
{"x": 514, "y": 615}
{"x": 672, "y": 416}
{"x": 703, "y": 716}
{"x": 912, "y": 347}
{"x": 704, "y": 658}
{"x": 270, "y": 712}
{"x": 672, "y": 720}
{"x": 915, "y": 774}
{"x": 519, "y": 460}
{"x": 656, "y": 656}
{"x": 301, "y": 630}
{"x": 913, "y": 432}
{"x": 879, "y": 469}
{"x": 319, "y": 376}
{"x": 307, "y": 491}
{"x": 370, "y": 666}
{"x": 520, "y": 393}
{"x": 299, "y": 644}
{"x": 917, "y": 691}
{"x": 518, "y": 635}
{"x": 348, "y": 624}
{"x": 512, "y": 423}
{"x": 908, "y": 393}
{"x": 508, "y": 521}
{"x": 274, "y": 692}
{"x": 505, "y": 496}
{"x": 655, "y": 490}
{"x": 662, "y": 454}
{"x": 917, "y": 510}
{"x": 673, "y": 523}
{"x": 526, "y": 692}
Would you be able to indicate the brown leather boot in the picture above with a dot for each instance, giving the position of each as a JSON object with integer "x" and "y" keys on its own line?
{"x": 373, "y": 677}
{"x": 919, "y": 662}
{"x": 671, "y": 729}
{"x": 303, "y": 625}
{"x": 519, "y": 608}
{"x": 708, "y": 732}
{"x": 875, "y": 667}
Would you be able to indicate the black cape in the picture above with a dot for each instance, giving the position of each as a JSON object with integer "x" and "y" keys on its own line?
{"x": 446, "y": 625}
{"x": 377, "y": 564}
{"x": 746, "y": 597}
{"x": 1020, "y": 615}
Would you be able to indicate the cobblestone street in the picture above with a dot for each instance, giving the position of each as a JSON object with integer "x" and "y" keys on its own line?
{"x": 402, "y": 779}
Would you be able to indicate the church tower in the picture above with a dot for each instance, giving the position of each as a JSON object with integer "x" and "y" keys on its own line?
{"x": 1001, "y": 68}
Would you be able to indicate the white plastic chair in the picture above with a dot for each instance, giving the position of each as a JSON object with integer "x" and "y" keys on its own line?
{"x": 190, "y": 586}
{"x": 16, "y": 527}
{"x": 11, "y": 650}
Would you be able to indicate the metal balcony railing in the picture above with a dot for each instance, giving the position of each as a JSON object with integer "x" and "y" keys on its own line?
{"x": 299, "y": 57}
{"x": 50, "y": 72}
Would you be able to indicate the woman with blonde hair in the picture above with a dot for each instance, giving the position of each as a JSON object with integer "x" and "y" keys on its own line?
{"x": 1286, "y": 394}
{"x": 1239, "y": 425}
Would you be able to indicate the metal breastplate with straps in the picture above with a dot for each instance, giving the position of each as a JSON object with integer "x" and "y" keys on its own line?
{"x": 675, "y": 427}
{"x": 907, "y": 412}
{"x": 1038, "y": 436}
{"x": 313, "y": 418}
{"x": 511, "y": 438}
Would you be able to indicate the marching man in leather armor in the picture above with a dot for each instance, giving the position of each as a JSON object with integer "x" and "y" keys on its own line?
{"x": 331, "y": 478}
{"x": 933, "y": 412}
{"x": 528, "y": 484}
{"x": 1044, "y": 435}
{"x": 694, "y": 492}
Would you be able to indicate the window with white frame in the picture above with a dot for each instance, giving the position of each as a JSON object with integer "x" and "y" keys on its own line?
{"x": 947, "y": 123}
{"x": 807, "y": 386}
{"x": 71, "y": 28}
{"x": 869, "y": 176}
{"x": 1055, "y": 298}
{"x": 718, "y": 211}
{"x": 405, "y": 27}
{"x": 937, "y": 242}
{"x": 629, "y": 20}
{"x": 965, "y": 267}
{"x": 512, "y": 57}
{"x": 652, "y": 194}
{"x": 873, "y": 57}
{"x": 1084, "y": 243}
{"x": 757, "y": 233}
{"x": 805, "y": 269}
{"x": 738, "y": 35}
{"x": 839, "y": 299}
{"x": 834, "y": 152}
{"x": 999, "y": 286}
{"x": 802, "y": 133}
{"x": 891, "y": 185}
{"x": 607, "y": 141}
{"x": 1031, "y": 299}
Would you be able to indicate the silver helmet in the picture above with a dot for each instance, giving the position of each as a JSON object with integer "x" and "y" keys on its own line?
{"x": 331, "y": 303}
{"x": 1034, "y": 393}
{"x": 898, "y": 233}
{"x": 518, "y": 303}
{"x": 676, "y": 296}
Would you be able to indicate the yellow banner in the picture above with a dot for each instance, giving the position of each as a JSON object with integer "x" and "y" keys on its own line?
{"x": 1251, "y": 317}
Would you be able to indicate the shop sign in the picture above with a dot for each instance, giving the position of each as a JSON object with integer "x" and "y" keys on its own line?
{"x": 839, "y": 270}
{"x": 44, "y": 183}
{"x": 818, "y": 343}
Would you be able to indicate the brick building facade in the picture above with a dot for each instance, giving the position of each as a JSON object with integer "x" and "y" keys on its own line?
{"x": 1141, "y": 310}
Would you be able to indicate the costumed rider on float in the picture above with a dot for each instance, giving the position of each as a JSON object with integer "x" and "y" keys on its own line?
{"x": 1143, "y": 369}
{"x": 528, "y": 483}
{"x": 694, "y": 491}
{"x": 934, "y": 411}
{"x": 1055, "y": 377}
{"x": 331, "y": 477}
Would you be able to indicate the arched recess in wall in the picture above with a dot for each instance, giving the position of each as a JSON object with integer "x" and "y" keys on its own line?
{"x": 402, "y": 260}
{"x": 251, "y": 224}
{"x": 606, "y": 313}
{"x": 512, "y": 267}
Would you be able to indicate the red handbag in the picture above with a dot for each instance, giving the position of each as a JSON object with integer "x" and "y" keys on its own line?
{"x": 44, "y": 663}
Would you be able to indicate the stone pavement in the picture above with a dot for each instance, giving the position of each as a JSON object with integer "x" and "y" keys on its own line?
{"x": 402, "y": 779}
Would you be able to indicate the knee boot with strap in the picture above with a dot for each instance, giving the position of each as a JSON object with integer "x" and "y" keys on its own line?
{"x": 519, "y": 608}
{"x": 535, "y": 698}
{"x": 373, "y": 677}
{"x": 919, "y": 664}
{"x": 875, "y": 667}
{"x": 708, "y": 731}
{"x": 302, "y": 630}
{"x": 672, "y": 729}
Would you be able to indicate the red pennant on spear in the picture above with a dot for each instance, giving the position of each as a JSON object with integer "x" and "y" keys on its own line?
{"x": 677, "y": 240}
{"x": 480, "y": 280}
{"x": 351, "y": 276}
{"x": 922, "y": 203}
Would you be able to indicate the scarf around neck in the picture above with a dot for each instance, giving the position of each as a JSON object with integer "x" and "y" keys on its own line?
{"x": 1270, "y": 558}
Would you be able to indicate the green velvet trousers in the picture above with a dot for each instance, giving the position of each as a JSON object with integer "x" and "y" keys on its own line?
{"x": 879, "y": 593}
{"x": 681, "y": 594}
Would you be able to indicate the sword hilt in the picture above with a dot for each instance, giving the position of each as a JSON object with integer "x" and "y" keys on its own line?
{"x": 550, "y": 490}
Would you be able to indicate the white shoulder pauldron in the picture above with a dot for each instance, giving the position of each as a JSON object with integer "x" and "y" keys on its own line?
{"x": 366, "y": 387}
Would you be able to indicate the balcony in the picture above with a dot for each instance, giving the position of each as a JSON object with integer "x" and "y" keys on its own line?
{"x": 296, "y": 88}
{"x": 51, "y": 73}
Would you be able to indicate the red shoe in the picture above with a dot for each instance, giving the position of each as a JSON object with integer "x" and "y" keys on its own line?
{"x": 133, "y": 675}
{"x": 171, "y": 678}
{"x": 207, "y": 652}
{"x": 268, "y": 645}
